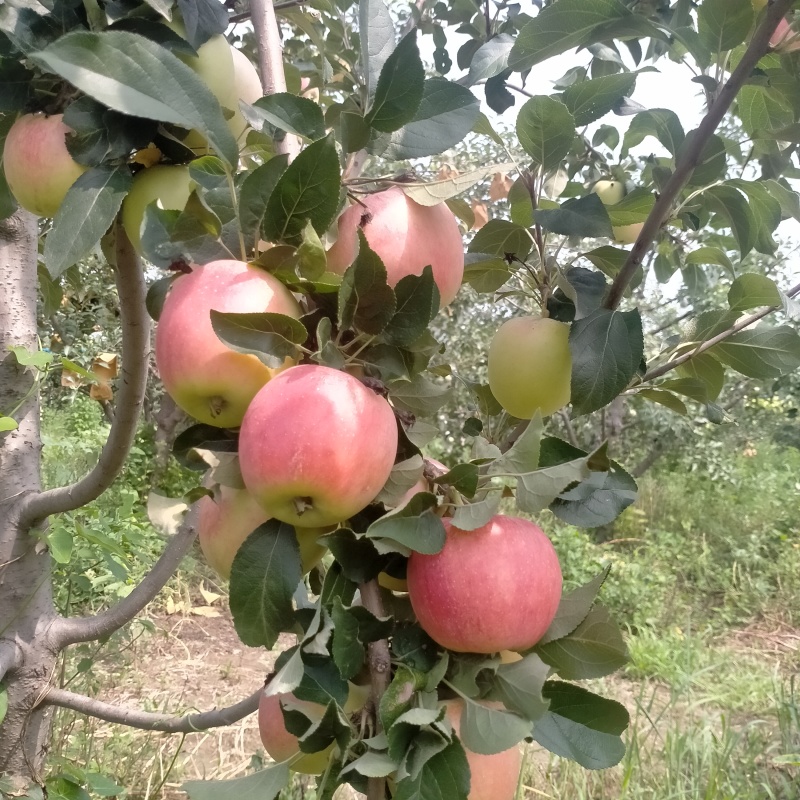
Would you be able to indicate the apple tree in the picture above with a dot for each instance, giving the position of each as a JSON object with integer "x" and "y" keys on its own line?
{"x": 296, "y": 274}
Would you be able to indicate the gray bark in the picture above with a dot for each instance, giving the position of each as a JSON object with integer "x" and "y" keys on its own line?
{"x": 26, "y": 603}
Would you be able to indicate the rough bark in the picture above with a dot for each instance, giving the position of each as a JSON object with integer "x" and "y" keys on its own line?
{"x": 26, "y": 605}
{"x": 167, "y": 419}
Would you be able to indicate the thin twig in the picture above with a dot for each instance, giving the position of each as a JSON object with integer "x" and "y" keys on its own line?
{"x": 573, "y": 439}
{"x": 87, "y": 629}
{"x": 690, "y": 156}
{"x": 666, "y": 325}
{"x": 270, "y": 62}
{"x": 743, "y": 323}
{"x": 135, "y": 323}
{"x": 148, "y": 721}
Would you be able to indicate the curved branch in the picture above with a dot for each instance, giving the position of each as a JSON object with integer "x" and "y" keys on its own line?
{"x": 148, "y": 721}
{"x": 87, "y": 629}
{"x": 691, "y": 155}
{"x": 743, "y": 323}
{"x": 10, "y": 657}
{"x": 270, "y": 62}
{"x": 133, "y": 382}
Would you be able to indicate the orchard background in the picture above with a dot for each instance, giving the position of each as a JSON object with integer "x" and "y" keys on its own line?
{"x": 656, "y": 443}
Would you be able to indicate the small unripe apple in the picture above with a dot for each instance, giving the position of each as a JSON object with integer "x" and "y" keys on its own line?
{"x": 610, "y": 192}
{"x": 492, "y": 777}
{"x": 495, "y": 588}
{"x": 169, "y": 186}
{"x": 407, "y": 236}
{"x": 530, "y": 366}
{"x": 37, "y": 164}
{"x": 316, "y": 446}
{"x": 226, "y": 521}
{"x": 207, "y": 379}
{"x": 628, "y": 234}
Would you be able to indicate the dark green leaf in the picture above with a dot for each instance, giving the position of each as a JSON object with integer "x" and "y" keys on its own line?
{"x": 520, "y": 683}
{"x": 419, "y": 395}
{"x": 488, "y": 730}
{"x": 263, "y": 785}
{"x": 87, "y": 212}
{"x": 307, "y": 190}
{"x": 581, "y": 216}
{"x": 659, "y": 122}
{"x": 417, "y": 299}
{"x": 271, "y": 337}
{"x": 574, "y": 608}
{"x": 356, "y": 555}
{"x": 607, "y": 348}
{"x": 264, "y": 576}
{"x": 724, "y": 24}
{"x": 761, "y": 352}
{"x": 751, "y": 291}
{"x": 490, "y": 59}
{"x": 291, "y": 113}
{"x": 463, "y": 478}
{"x": 376, "y": 35}
{"x": 444, "y": 775}
{"x": 545, "y": 129}
{"x": 500, "y": 237}
{"x": 590, "y": 100}
{"x": 254, "y": 195}
{"x": 415, "y": 525}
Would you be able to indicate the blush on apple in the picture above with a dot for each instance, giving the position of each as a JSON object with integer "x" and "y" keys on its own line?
{"x": 316, "y": 446}
{"x": 202, "y": 375}
{"x": 530, "y": 366}
{"x": 37, "y": 164}
{"x": 495, "y": 588}
{"x": 227, "y": 520}
{"x": 492, "y": 777}
{"x": 407, "y": 236}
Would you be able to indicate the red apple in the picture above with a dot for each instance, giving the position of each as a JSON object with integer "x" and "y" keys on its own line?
{"x": 493, "y": 777}
{"x": 530, "y": 367}
{"x": 225, "y": 522}
{"x": 37, "y": 164}
{"x": 202, "y": 375}
{"x": 407, "y": 236}
{"x": 316, "y": 446}
{"x": 785, "y": 39}
{"x": 495, "y": 588}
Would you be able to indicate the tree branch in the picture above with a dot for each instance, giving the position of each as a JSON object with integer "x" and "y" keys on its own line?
{"x": 743, "y": 323}
{"x": 145, "y": 720}
{"x": 270, "y": 62}
{"x": 690, "y": 156}
{"x": 380, "y": 673}
{"x": 133, "y": 382}
{"x": 573, "y": 439}
{"x": 10, "y": 657}
{"x": 86, "y": 629}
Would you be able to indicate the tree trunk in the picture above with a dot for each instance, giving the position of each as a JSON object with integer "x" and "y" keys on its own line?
{"x": 27, "y": 657}
{"x": 167, "y": 419}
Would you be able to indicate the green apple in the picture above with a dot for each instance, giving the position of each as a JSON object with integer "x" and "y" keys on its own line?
{"x": 169, "y": 186}
{"x": 627, "y": 234}
{"x": 37, "y": 164}
{"x": 610, "y": 192}
{"x": 530, "y": 366}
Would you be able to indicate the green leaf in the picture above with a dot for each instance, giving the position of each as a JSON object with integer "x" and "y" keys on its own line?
{"x": 634, "y": 207}
{"x": 709, "y": 255}
{"x": 3, "y": 703}
{"x": 38, "y": 359}
{"x": 7, "y": 424}
{"x": 136, "y": 76}
{"x": 594, "y": 649}
{"x": 500, "y": 237}
{"x": 520, "y": 684}
{"x": 419, "y": 395}
{"x": 376, "y": 35}
{"x": 400, "y": 87}
{"x": 561, "y": 27}
{"x": 417, "y": 298}
{"x": 488, "y": 730}
{"x": 490, "y": 59}
{"x": 537, "y": 490}
{"x": 463, "y": 478}
{"x": 724, "y": 24}
{"x": 659, "y": 122}
{"x": 103, "y": 785}
{"x": 263, "y": 785}
{"x": 582, "y": 726}
{"x": 257, "y": 188}
{"x": 523, "y": 456}
{"x": 766, "y": 212}
{"x": 590, "y": 100}
{"x": 59, "y": 542}
{"x": 265, "y": 573}
{"x": 751, "y": 291}
{"x": 734, "y": 208}
{"x": 607, "y": 348}
{"x": 447, "y": 112}
{"x": 307, "y": 190}
{"x": 444, "y": 775}
{"x": 372, "y": 765}
{"x": 580, "y": 293}
{"x": 272, "y": 337}
{"x": 399, "y": 697}
{"x": 574, "y": 608}
{"x": 708, "y": 370}
{"x": 666, "y": 399}
{"x": 545, "y": 129}
{"x": 366, "y": 301}
{"x": 580, "y": 216}
{"x": 291, "y": 113}
{"x": 88, "y": 210}
{"x": 761, "y": 352}
{"x": 415, "y": 526}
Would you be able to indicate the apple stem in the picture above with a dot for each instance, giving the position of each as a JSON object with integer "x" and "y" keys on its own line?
{"x": 380, "y": 673}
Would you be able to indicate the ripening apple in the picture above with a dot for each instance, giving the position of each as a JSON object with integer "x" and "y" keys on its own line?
{"x": 37, "y": 164}
{"x": 492, "y": 777}
{"x": 627, "y": 234}
{"x": 282, "y": 745}
{"x": 785, "y": 39}
{"x": 495, "y": 588}
{"x": 247, "y": 87}
{"x": 227, "y": 520}
{"x": 530, "y": 366}
{"x": 169, "y": 186}
{"x": 207, "y": 379}
{"x": 316, "y": 446}
{"x": 610, "y": 192}
{"x": 407, "y": 236}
